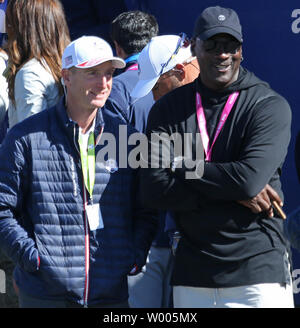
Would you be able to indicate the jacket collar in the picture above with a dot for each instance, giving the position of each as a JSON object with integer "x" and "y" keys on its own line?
{"x": 132, "y": 59}
{"x": 68, "y": 124}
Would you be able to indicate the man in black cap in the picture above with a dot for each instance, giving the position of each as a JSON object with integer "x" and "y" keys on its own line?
{"x": 231, "y": 253}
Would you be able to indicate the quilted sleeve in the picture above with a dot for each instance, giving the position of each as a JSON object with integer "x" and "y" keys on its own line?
{"x": 14, "y": 238}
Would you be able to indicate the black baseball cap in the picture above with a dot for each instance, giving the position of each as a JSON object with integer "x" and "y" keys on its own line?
{"x": 216, "y": 20}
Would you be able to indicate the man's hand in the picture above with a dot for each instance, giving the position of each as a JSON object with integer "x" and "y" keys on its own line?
{"x": 263, "y": 201}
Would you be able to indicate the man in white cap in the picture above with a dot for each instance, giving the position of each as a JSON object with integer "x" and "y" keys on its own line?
{"x": 165, "y": 64}
{"x": 151, "y": 287}
{"x": 74, "y": 228}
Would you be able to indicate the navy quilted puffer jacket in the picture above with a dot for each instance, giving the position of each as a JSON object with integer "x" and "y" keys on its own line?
{"x": 43, "y": 226}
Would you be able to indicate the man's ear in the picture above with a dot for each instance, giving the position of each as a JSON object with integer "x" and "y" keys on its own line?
{"x": 179, "y": 68}
{"x": 119, "y": 50}
{"x": 65, "y": 76}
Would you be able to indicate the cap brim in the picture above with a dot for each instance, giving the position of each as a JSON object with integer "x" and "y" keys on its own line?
{"x": 219, "y": 30}
{"x": 117, "y": 62}
{"x": 143, "y": 87}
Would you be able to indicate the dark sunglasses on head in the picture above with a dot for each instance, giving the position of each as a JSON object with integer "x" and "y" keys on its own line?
{"x": 183, "y": 42}
{"x": 227, "y": 46}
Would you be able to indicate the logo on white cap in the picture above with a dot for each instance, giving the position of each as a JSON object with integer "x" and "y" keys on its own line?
{"x": 161, "y": 52}
{"x": 221, "y": 18}
{"x": 69, "y": 60}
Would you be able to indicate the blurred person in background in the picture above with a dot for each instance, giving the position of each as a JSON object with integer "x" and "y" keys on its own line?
{"x": 37, "y": 35}
{"x": 130, "y": 33}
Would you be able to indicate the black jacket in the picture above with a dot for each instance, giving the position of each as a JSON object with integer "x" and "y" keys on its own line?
{"x": 223, "y": 244}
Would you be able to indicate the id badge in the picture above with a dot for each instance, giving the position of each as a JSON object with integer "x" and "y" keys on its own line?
{"x": 94, "y": 217}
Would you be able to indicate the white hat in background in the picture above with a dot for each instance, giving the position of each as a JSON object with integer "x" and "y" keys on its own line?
{"x": 159, "y": 56}
{"x": 89, "y": 51}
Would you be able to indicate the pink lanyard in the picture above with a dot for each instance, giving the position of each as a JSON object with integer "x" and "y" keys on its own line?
{"x": 133, "y": 67}
{"x": 202, "y": 121}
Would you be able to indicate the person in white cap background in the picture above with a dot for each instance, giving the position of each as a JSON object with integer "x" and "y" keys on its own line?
{"x": 165, "y": 64}
{"x": 73, "y": 226}
{"x": 231, "y": 253}
{"x": 151, "y": 288}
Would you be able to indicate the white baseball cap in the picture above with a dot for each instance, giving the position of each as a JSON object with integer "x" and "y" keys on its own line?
{"x": 159, "y": 56}
{"x": 89, "y": 51}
